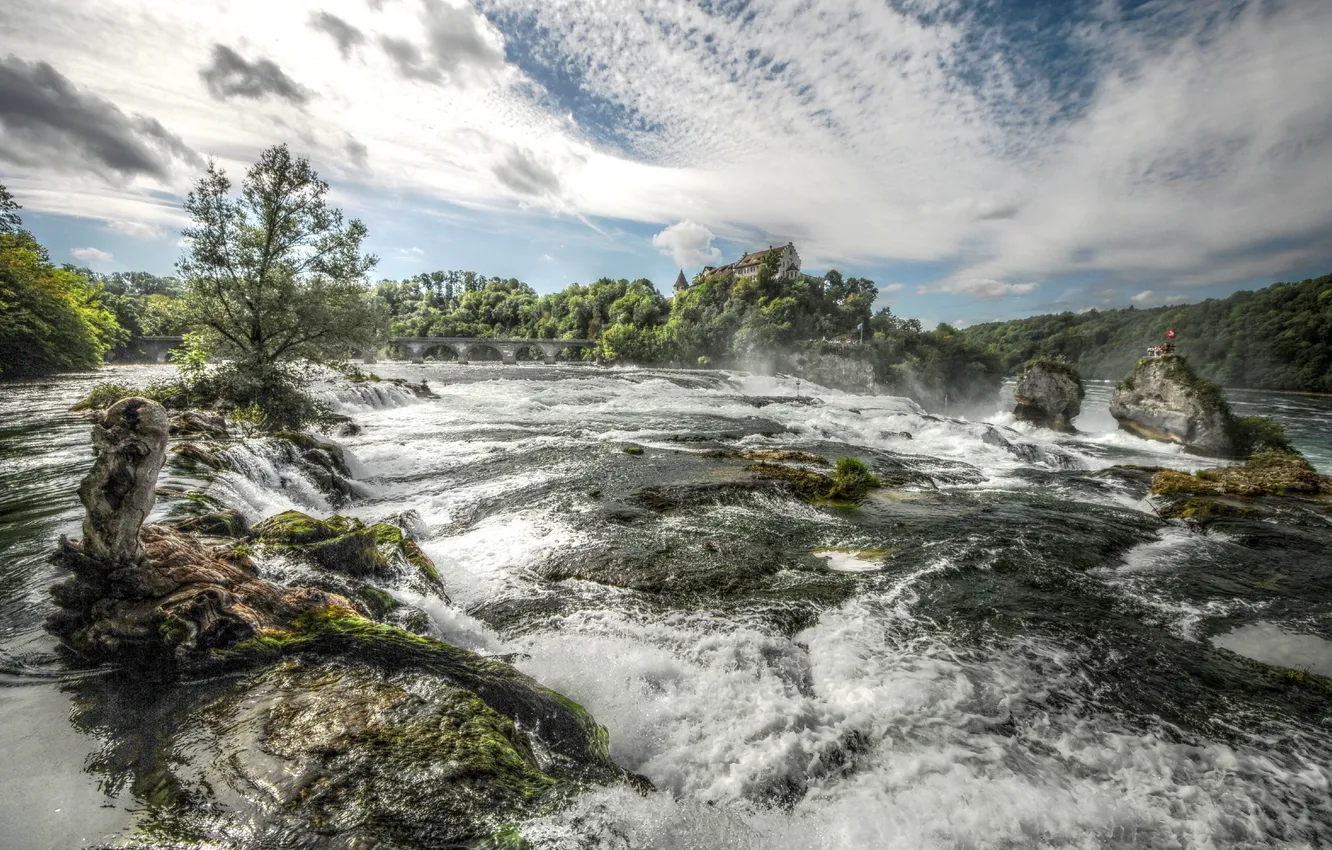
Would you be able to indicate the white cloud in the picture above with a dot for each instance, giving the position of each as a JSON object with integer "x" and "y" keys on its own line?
{"x": 890, "y": 288}
{"x": 862, "y": 132}
{"x": 979, "y": 287}
{"x": 92, "y": 255}
{"x": 136, "y": 229}
{"x": 411, "y": 252}
{"x": 1148, "y": 298}
{"x": 688, "y": 244}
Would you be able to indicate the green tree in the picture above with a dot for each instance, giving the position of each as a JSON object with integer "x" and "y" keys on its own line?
{"x": 9, "y": 217}
{"x": 275, "y": 275}
{"x": 51, "y": 319}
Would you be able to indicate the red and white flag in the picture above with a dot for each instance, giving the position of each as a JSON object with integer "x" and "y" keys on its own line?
{"x": 1170, "y": 334}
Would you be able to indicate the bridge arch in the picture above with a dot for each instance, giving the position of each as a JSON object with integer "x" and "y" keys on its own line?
{"x": 444, "y": 352}
{"x": 531, "y": 351}
{"x": 485, "y": 351}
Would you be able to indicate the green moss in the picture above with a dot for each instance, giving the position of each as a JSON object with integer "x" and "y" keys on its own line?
{"x": 850, "y": 482}
{"x": 377, "y": 601}
{"x": 1267, "y": 474}
{"x": 1202, "y": 510}
{"x": 173, "y": 631}
{"x": 632, "y": 450}
{"x": 105, "y": 395}
{"x": 1305, "y": 678}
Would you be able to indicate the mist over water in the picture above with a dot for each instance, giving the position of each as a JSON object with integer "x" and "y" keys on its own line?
{"x": 1003, "y": 648}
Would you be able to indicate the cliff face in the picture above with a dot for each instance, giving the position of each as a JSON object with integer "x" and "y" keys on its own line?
{"x": 1164, "y": 400}
{"x": 1048, "y": 395}
{"x": 848, "y": 374}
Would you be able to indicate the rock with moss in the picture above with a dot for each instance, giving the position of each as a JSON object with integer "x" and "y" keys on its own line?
{"x": 322, "y": 462}
{"x": 850, "y": 482}
{"x": 221, "y": 523}
{"x": 202, "y": 424}
{"x": 349, "y": 547}
{"x": 1165, "y": 400}
{"x": 338, "y": 732}
{"x": 1269, "y": 474}
{"x": 1267, "y": 486}
{"x": 332, "y": 729}
{"x": 1049, "y": 394}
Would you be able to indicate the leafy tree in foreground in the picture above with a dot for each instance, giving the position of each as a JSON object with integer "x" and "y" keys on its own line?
{"x": 274, "y": 279}
{"x": 275, "y": 275}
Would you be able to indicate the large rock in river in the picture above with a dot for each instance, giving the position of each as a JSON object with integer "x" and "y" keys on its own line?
{"x": 1164, "y": 400}
{"x": 1049, "y": 394}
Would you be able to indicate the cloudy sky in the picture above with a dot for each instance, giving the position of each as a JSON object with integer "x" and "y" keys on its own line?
{"x": 977, "y": 160}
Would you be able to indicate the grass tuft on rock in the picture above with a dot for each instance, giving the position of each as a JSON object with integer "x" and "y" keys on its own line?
{"x": 850, "y": 482}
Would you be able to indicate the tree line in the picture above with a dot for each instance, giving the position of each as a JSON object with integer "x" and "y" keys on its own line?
{"x": 1277, "y": 338}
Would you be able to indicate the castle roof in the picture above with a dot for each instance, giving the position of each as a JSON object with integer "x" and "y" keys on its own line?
{"x": 680, "y": 282}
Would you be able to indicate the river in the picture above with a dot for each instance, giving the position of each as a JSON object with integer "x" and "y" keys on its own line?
{"x": 1003, "y": 648}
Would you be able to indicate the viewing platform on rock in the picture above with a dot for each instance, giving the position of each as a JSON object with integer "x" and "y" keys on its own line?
{"x": 417, "y": 348}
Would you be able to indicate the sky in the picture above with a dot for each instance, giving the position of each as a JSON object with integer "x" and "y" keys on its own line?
{"x": 977, "y": 160}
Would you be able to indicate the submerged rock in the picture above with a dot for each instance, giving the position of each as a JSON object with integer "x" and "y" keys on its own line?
{"x": 1049, "y": 393}
{"x": 1164, "y": 400}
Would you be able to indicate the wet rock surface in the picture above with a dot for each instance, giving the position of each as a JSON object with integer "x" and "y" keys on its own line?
{"x": 1048, "y": 394}
{"x": 1163, "y": 400}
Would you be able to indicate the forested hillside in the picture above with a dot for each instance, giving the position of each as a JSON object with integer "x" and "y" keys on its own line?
{"x": 1279, "y": 337}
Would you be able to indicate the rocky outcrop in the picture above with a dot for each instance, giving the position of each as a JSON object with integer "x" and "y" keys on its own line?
{"x": 1049, "y": 394}
{"x": 334, "y": 730}
{"x": 1164, "y": 400}
{"x": 149, "y": 592}
{"x": 130, "y": 441}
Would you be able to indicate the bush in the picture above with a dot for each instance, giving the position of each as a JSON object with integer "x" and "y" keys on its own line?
{"x": 852, "y": 480}
{"x": 1259, "y": 434}
{"x": 105, "y": 395}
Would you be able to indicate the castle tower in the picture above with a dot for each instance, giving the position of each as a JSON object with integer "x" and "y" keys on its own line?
{"x": 680, "y": 283}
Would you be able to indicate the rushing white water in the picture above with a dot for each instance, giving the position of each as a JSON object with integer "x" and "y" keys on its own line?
{"x": 886, "y": 733}
{"x": 908, "y": 713}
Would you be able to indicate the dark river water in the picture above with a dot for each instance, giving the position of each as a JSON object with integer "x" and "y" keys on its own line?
{"x": 1005, "y": 647}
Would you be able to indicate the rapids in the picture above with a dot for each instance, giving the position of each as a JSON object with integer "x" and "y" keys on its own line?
{"x": 1005, "y": 647}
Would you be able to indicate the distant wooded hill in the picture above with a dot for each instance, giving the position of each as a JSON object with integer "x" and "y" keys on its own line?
{"x": 1279, "y": 337}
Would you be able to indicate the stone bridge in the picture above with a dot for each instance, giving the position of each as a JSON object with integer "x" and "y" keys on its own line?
{"x": 417, "y": 347}
{"x": 154, "y": 349}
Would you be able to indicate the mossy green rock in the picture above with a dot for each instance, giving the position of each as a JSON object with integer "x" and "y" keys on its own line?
{"x": 353, "y": 734}
{"x": 1275, "y": 486}
{"x": 349, "y": 547}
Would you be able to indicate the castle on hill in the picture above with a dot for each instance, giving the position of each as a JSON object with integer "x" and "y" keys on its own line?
{"x": 788, "y": 266}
